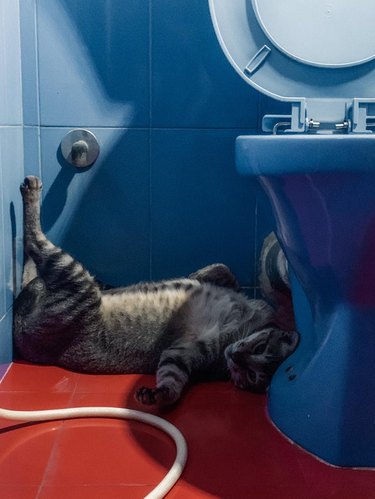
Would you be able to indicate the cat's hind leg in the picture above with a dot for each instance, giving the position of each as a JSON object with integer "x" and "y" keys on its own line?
{"x": 71, "y": 292}
{"x": 29, "y": 272}
{"x": 51, "y": 261}
{"x": 274, "y": 282}
{"x": 217, "y": 274}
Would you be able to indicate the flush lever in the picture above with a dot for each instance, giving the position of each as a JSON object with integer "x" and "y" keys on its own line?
{"x": 79, "y": 153}
{"x": 80, "y": 148}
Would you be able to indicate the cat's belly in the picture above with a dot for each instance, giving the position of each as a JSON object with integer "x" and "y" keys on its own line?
{"x": 139, "y": 310}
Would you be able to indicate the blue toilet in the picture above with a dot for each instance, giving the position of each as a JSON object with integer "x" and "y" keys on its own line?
{"x": 317, "y": 166}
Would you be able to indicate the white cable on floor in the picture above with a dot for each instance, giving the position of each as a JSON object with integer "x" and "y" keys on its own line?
{"x": 114, "y": 412}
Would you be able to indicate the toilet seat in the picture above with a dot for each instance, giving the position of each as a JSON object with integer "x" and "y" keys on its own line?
{"x": 317, "y": 54}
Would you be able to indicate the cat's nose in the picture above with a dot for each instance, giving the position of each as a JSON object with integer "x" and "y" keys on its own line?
{"x": 237, "y": 358}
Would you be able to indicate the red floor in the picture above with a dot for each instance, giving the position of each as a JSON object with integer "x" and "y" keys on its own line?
{"x": 234, "y": 451}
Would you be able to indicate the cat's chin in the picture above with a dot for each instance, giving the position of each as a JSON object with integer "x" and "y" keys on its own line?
{"x": 238, "y": 377}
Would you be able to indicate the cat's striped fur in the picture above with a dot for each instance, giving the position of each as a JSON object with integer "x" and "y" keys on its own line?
{"x": 179, "y": 329}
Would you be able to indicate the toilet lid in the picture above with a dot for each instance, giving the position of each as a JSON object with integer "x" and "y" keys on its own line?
{"x": 293, "y": 49}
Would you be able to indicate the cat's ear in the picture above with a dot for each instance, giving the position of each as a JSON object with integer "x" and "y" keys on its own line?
{"x": 267, "y": 326}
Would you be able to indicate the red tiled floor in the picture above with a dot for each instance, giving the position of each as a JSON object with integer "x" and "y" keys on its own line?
{"x": 94, "y": 492}
{"x": 18, "y": 491}
{"x": 105, "y": 451}
{"x": 234, "y": 451}
{"x": 25, "y": 377}
{"x": 25, "y": 453}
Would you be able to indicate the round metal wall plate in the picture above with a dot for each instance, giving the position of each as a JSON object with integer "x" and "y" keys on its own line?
{"x": 80, "y": 148}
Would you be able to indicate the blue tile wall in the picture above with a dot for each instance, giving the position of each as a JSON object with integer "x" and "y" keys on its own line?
{"x": 5, "y": 342}
{"x": 94, "y": 62}
{"x": 164, "y": 197}
{"x": 11, "y": 160}
{"x": 193, "y": 84}
{"x": 202, "y": 211}
{"x": 2, "y": 246}
{"x": 10, "y": 64}
{"x": 28, "y": 37}
{"x": 150, "y": 80}
{"x": 101, "y": 215}
{"x": 11, "y": 169}
{"x": 31, "y": 146}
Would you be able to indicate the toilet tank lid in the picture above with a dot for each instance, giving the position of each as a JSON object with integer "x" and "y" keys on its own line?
{"x": 300, "y": 49}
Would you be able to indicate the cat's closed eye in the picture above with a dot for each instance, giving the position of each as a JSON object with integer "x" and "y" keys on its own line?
{"x": 260, "y": 348}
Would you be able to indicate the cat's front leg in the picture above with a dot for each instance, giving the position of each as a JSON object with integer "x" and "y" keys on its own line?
{"x": 154, "y": 396}
{"x": 172, "y": 375}
{"x": 72, "y": 296}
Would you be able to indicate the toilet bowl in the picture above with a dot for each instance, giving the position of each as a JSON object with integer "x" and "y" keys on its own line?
{"x": 317, "y": 166}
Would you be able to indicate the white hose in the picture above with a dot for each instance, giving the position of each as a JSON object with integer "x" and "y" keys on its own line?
{"x": 114, "y": 412}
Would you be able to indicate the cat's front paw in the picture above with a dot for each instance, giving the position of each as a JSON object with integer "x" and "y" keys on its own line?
{"x": 155, "y": 396}
{"x": 31, "y": 184}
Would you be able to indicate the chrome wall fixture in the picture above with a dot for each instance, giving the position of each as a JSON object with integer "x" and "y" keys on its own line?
{"x": 80, "y": 148}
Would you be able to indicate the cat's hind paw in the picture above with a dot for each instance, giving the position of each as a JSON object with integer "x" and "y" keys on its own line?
{"x": 154, "y": 396}
{"x": 218, "y": 274}
{"x": 30, "y": 183}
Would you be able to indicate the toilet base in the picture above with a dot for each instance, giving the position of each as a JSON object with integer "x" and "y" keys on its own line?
{"x": 323, "y": 396}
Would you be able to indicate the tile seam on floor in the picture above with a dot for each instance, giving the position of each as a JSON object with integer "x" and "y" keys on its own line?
{"x": 55, "y": 445}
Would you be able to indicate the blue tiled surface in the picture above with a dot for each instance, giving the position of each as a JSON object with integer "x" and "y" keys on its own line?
{"x": 6, "y": 345}
{"x": 30, "y": 94}
{"x": 11, "y": 163}
{"x": 101, "y": 214}
{"x": 156, "y": 65}
{"x": 94, "y": 62}
{"x": 31, "y": 150}
{"x": 11, "y": 139}
{"x": 10, "y": 64}
{"x": 2, "y": 239}
{"x": 193, "y": 84}
{"x": 202, "y": 210}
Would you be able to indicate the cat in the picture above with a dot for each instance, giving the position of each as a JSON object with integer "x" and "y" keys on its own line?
{"x": 180, "y": 329}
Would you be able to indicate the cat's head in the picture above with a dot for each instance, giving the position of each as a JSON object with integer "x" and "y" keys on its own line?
{"x": 253, "y": 360}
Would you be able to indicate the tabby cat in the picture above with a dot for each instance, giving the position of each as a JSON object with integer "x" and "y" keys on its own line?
{"x": 181, "y": 329}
